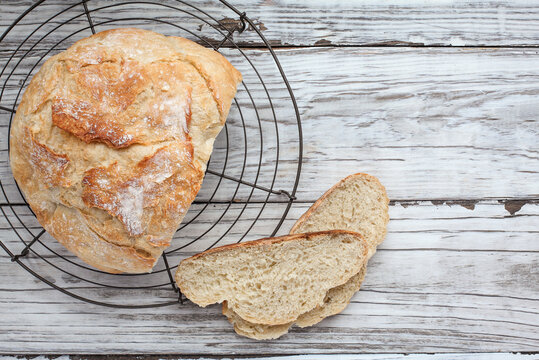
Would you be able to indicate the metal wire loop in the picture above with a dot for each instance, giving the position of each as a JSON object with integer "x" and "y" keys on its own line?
{"x": 242, "y": 178}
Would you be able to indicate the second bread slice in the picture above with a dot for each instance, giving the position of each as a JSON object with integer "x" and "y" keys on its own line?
{"x": 335, "y": 301}
{"x": 358, "y": 203}
{"x": 273, "y": 281}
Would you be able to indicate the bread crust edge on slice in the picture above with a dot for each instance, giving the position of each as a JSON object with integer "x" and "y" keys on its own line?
{"x": 261, "y": 242}
{"x": 320, "y": 200}
{"x": 269, "y": 241}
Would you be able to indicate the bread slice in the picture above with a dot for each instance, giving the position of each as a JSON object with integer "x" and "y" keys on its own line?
{"x": 273, "y": 281}
{"x": 254, "y": 330}
{"x": 335, "y": 301}
{"x": 356, "y": 203}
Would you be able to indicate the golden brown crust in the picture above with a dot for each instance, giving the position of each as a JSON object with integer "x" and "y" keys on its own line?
{"x": 48, "y": 164}
{"x": 219, "y": 83}
{"x": 79, "y": 118}
{"x": 110, "y": 142}
{"x": 126, "y": 194}
{"x": 70, "y": 229}
{"x": 100, "y": 105}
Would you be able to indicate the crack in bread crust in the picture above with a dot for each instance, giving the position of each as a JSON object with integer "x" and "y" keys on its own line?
{"x": 128, "y": 104}
{"x": 125, "y": 194}
{"x": 48, "y": 164}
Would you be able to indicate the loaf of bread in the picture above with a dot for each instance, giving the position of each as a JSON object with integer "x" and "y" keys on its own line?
{"x": 111, "y": 139}
{"x": 357, "y": 203}
{"x": 273, "y": 281}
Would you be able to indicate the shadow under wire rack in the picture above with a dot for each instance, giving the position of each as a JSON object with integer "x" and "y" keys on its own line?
{"x": 253, "y": 173}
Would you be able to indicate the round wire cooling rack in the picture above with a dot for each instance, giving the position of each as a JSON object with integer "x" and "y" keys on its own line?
{"x": 252, "y": 175}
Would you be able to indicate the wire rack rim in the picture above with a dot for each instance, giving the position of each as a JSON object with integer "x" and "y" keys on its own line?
{"x": 226, "y": 128}
{"x": 244, "y": 22}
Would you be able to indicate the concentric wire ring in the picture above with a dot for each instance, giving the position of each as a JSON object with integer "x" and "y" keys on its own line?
{"x": 49, "y": 261}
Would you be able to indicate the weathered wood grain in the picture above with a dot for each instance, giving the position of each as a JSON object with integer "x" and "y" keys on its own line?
{"x": 430, "y": 123}
{"x": 424, "y": 225}
{"x": 452, "y": 356}
{"x": 315, "y": 22}
{"x": 447, "y": 279}
{"x": 452, "y": 118}
{"x": 452, "y": 133}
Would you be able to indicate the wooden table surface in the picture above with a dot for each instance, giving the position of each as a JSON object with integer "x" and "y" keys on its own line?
{"x": 440, "y": 100}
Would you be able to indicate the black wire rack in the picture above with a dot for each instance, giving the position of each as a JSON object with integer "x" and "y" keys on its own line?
{"x": 248, "y": 188}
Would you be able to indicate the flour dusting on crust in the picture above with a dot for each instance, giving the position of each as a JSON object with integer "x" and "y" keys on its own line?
{"x": 48, "y": 164}
{"x": 128, "y": 193}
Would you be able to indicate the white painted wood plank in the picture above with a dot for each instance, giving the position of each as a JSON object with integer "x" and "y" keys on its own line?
{"x": 430, "y": 123}
{"x": 463, "y": 121}
{"x": 314, "y": 22}
{"x": 420, "y": 226}
{"x": 452, "y": 356}
{"x": 447, "y": 279}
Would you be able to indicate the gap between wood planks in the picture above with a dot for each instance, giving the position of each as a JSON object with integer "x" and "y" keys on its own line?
{"x": 511, "y": 205}
{"x": 521, "y": 355}
{"x": 389, "y": 45}
{"x": 385, "y": 44}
